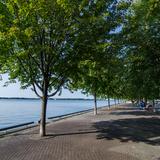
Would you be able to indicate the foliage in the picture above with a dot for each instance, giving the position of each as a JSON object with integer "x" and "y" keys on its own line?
{"x": 141, "y": 44}
{"x": 36, "y": 44}
{"x": 95, "y": 40}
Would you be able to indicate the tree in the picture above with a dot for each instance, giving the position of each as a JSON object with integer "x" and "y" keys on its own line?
{"x": 89, "y": 80}
{"x": 98, "y": 24}
{"x": 39, "y": 35}
{"x": 141, "y": 33}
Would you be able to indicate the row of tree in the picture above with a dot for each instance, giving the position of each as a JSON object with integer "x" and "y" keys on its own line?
{"x": 141, "y": 50}
{"x": 108, "y": 49}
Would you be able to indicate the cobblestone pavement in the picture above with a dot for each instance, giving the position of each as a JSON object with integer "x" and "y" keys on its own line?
{"x": 123, "y": 133}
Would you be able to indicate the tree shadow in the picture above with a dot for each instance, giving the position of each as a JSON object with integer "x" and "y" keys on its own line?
{"x": 135, "y": 113}
{"x": 54, "y": 135}
{"x": 145, "y": 130}
{"x": 125, "y": 108}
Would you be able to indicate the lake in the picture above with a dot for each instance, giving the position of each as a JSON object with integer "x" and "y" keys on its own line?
{"x": 17, "y": 111}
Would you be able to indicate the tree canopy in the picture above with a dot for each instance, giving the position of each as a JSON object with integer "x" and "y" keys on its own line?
{"x": 38, "y": 35}
{"x": 141, "y": 45}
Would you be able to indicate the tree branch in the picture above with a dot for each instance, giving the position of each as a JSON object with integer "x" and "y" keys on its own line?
{"x": 58, "y": 88}
{"x": 34, "y": 60}
{"x": 34, "y": 89}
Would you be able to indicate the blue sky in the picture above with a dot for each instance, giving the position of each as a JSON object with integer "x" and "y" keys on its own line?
{"x": 13, "y": 90}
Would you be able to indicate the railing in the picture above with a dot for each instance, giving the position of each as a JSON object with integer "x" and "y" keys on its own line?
{"x": 73, "y": 114}
{"x": 19, "y": 125}
{"x": 70, "y": 114}
{"x": 16, "y": 128}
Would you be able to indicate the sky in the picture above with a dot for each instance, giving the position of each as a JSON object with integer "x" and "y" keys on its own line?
{"x": 13, "y": 90}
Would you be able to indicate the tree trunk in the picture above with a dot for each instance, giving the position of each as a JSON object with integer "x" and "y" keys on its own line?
{"x": 43, "y": 116}
{"x": 145, "y": 101}
{"x": 109, "y": 104}
{"x": 115, "y": 102}
{"x": 153, "y": 101}
{"x": 95, "y": 104}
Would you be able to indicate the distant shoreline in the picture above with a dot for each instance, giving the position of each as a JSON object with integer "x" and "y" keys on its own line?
{"x": 23, "y": 98}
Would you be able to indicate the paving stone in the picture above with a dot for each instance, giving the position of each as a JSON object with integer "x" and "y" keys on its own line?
{"x": 122, "y": 133}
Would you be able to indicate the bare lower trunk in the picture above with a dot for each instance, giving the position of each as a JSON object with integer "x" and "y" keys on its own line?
{"x": 145, "y": 101}
{"x": 43, "y": 116}
{"x": 95, "y": 104}
{"x": 115, "y": 102}
{"x": 153, "y": 101}
{"x": 109, "y": 104}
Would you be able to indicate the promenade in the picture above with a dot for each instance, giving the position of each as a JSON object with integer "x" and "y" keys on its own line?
{"x": 122, "y": 133}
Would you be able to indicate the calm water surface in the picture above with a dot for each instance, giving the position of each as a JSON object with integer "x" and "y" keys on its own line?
{"x": 13, "y": 111}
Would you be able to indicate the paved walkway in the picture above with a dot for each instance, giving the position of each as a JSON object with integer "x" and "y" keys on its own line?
{"x": 119, "y": 134}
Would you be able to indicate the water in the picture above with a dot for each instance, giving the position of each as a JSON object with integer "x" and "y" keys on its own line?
{"x": 17, "y": 111}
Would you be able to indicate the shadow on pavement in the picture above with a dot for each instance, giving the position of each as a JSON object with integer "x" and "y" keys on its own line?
{"x": 145, "y": 130}
{"x": 135, "y": 113}
{"x": 72, "y": 133}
